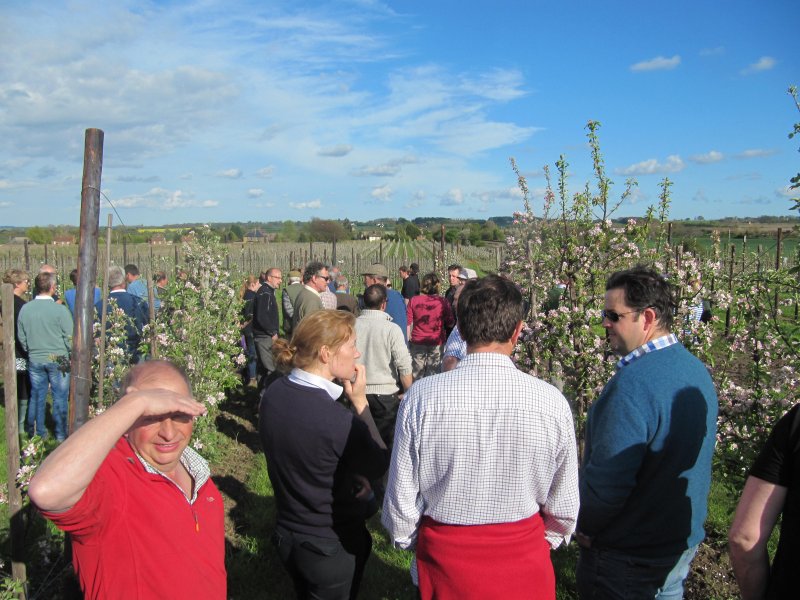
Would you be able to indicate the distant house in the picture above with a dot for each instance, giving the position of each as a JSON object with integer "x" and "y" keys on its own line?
{"x": 158, "y": 240}
{"x": 257, "y": 236}
{"x": 63, "y": 240}
{"x": 374, "y": 238}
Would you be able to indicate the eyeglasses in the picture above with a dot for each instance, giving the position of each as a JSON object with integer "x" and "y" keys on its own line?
{"x": 614, "y": 316}
{"x": 325, "y": 277}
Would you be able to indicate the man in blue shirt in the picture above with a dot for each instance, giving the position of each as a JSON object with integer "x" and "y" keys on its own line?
{"x": 649, "y": 442}
{"x": 136, "y": 287}
{"x": 395, "y": 305}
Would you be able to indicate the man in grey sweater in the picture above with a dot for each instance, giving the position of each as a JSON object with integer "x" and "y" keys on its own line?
{"x": 45, "y": 331}
{"x": 386, "y": 358}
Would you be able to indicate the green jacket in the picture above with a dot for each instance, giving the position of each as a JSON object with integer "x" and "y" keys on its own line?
{"x": 45, "y": 329}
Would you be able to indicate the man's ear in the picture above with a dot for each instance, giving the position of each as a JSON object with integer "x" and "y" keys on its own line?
{"x": 650, "y": 319}
{"x": 517, "y": 331}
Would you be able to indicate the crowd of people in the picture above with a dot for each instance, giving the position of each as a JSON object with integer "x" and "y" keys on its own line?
{"x": 409, "y": 403}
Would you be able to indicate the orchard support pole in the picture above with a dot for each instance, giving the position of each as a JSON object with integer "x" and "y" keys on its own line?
{"x": 777, "y": 268}
{"x": 82, "y": 333}
{"x": 103, "y": 317}
{"x": 27, "y": 257}
{"x": 730, "y": 289}
{"x": 17, "y": 526}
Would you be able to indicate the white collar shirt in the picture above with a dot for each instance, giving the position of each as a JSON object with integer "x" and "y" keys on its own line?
{"x": 484, "y": 443}
{"x": 310, "y": 289}
{"x": 301, "y": 377}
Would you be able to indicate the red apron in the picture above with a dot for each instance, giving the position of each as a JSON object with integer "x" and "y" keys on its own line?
{"x": 507, "y": 560}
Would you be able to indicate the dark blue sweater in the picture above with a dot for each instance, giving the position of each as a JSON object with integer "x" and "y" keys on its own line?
{"x": 313, "y": 447}
{"x": 647, "y": 462}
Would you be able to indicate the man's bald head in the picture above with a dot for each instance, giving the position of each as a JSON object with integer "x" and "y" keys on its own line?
{"x": 152, "y": 372}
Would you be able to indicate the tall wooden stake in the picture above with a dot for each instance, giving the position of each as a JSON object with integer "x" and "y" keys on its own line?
{"x": 103, "y": 317}
{"x": 82, "y": 333}
{"x": 17, "y": 526}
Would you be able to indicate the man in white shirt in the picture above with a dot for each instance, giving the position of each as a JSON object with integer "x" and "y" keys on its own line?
{"x": 484, "y": 475}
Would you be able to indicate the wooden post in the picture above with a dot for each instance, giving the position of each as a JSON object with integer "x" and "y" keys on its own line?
{"x": 730, "y": 289}
{"x": 380, "y": 252}
{"x": 151, "y": 307}
{"x": 27, "y": 257}
{"x": 45, "y": 253}
{"x": 82, "y": 332}
{"x": 103, "y": 317}
{"x": 17, "y": 526}
{"x": 333, "y": 251}
{"x": 124, "y": 250}
{"x": 310, "y": 251}
{"x": 176, "y": 260}
{"x": 777, "y": 267}
{"x": 442, "y": 250}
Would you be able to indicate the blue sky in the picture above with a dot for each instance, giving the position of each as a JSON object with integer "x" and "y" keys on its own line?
{"x": 265, "y": 110}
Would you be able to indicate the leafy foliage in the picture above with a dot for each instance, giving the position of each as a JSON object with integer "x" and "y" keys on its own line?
{"x": 197, "y": 327}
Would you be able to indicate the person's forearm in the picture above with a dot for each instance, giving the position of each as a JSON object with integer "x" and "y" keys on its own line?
{"x": 751, "y": 569}
{"x": 64, "y": 476}
{"x": 406, "y": 381}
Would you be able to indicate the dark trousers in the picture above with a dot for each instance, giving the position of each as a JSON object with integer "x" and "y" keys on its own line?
{"x": 266, "y": 362}
{"x": 323, "y": 568}
{"x": 384, "y": 412}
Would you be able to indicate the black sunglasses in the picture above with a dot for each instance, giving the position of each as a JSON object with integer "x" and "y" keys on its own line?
{"x": 614, "y": 316}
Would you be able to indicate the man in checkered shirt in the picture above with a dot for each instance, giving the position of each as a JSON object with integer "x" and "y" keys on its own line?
{"x": 484, "y": 478}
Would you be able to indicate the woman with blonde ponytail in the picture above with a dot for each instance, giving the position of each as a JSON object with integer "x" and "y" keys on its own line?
{"x": 321, "y": 456}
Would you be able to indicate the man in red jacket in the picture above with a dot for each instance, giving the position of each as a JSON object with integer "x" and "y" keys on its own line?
{"x": 145, "y": 518}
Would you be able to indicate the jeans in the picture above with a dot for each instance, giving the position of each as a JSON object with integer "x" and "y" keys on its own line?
{"x": 252, "y": 356}
{"x": 604, "y": 574}
{"x": 44, "y": 375}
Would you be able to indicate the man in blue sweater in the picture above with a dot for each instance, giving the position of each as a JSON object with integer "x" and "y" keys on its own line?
{"x": 647, "y": 460}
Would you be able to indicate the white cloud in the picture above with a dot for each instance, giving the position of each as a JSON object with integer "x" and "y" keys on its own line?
{"x": 756, "y": 153}
{"x": 659, "y": 63}
{"x": 162, "y": 199}
{"x": 382, "y": 193}
{"x": 385, "y": 170}
{"x": 709, "y": 157}
{"x": 336, "y": 151}
{"x": 306, "y": 205}
{"x": 266, "y": 172}
{"x": 673, "y": 164}
{"x": 787, "y": 192}
{"x": 388, "y": 169}
{"x": 454, "y": 197}
{"x": 765, "y": 63}
{"x": 230, "y": 173}
{"x": 716, "y": 51}
{"x": 255, "y": 193}
{"x": 6, "y": 204}
{"x": 263, "y": 205}
{"x": 700, "y": 196}
{"x": 138, "y": 178}
{"x": 636, "y": 195}
{"x": 417, "y": 200}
